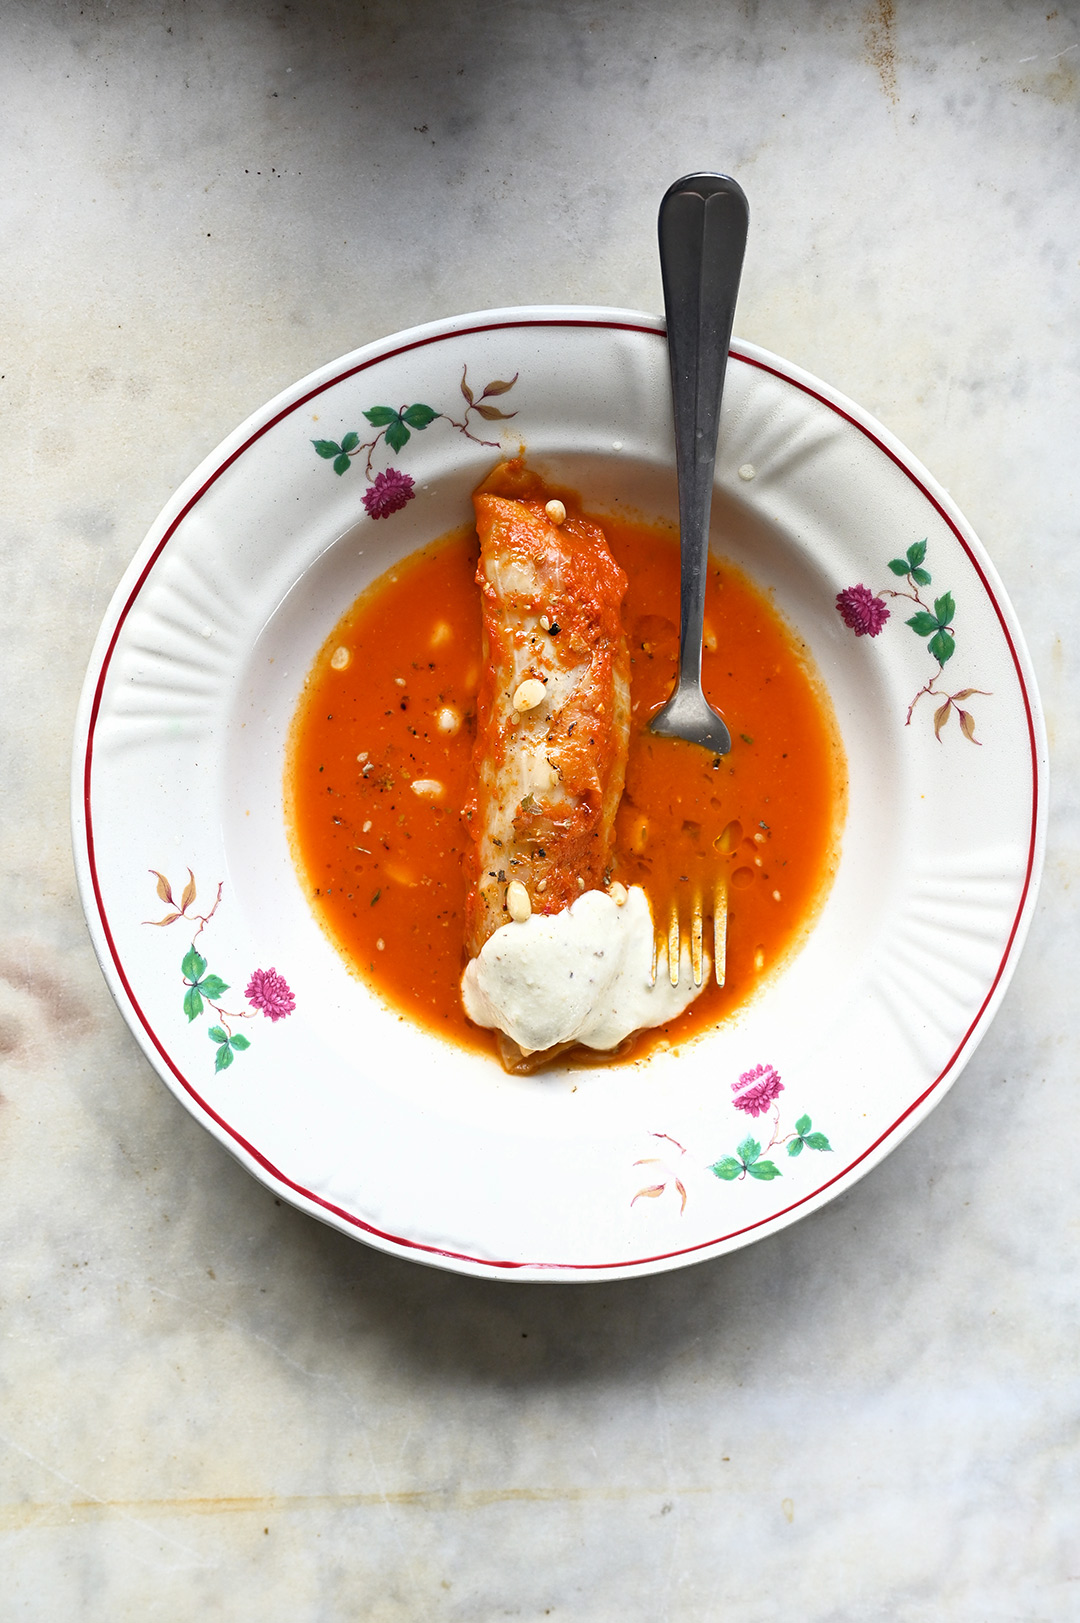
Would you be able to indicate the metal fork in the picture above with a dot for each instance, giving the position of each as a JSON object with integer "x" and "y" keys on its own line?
{"x": 702, "y": 229}
{"x": 670, "y": 940}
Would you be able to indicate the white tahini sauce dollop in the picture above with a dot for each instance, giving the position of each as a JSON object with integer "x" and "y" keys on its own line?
{"x": 582, "y": 975}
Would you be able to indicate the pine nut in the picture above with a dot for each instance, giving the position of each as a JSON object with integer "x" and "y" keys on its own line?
{"x": 529, "y": 694}
{"x": 618, "y": 893}
{"x": 340, "y": 658}
{"x": 556, "y": 512}
{"x": 518, "y": 904}
{"x": 427, "y": 788}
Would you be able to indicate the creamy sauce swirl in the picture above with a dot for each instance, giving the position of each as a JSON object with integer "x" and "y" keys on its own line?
{"x": 583, "y": 975}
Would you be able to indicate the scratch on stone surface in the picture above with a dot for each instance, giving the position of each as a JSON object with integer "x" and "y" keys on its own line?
{"x": 379, "y": 1497}
{"x": 28, "y": 1514}
{"x": 880, "y": 21}
{"x": 1054, "y": 78}
{"x": 225, "y": 1323}
{"x": 92, "y": 1508}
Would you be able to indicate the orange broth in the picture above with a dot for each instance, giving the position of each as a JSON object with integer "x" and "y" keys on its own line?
{"x": 383, "y": 866}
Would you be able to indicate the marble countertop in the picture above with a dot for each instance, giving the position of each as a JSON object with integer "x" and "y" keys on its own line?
{"x": 213, "y": 1405}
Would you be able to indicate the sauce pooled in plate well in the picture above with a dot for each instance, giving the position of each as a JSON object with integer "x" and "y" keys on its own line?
{"x": 378, "y": 774}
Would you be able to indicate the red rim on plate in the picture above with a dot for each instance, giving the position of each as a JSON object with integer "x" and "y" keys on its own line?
{"x": 117, "y": 974}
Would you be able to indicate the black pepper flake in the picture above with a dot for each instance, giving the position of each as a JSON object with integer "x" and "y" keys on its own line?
{"x": 375, "y": 898}
{"x": 554, "y": 629}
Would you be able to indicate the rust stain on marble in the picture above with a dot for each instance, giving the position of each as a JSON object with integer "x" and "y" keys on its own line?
{"x": 75, "y": 1511}
{"x": 36, "y": 1001}
{"x": 1054, "y": 79}
{"x": 879, "y": 33}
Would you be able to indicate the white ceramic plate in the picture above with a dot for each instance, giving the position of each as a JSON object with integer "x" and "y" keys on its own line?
{"x": 377, "y": 1127}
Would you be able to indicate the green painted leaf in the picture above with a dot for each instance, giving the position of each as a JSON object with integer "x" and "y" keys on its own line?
{"x": 239, "y": 1043}
{"x": 397, "y": 435}
{"x": 224, "y": 1058}
{"x": 326, "y": 448}
{"x": 916, "y": 553}
{"x": 418, "y": 416}
{"x": 342, "y": 464}
{"x": 921, "y": 577}
{"x": 818, "y": 1141}
{"x": 749, "y": 1149}
{"x": 351, "y": 441}
{"x": 213, "y": 986}
{"x": 803, "y": 1124}
{"x": 192, "y": 1003}
{"x": 898, "y": 566}
{"x": 218, "y": 1035}
{"x": 795, "y": 1147}
{"x": 765, "y": 1171}
{"x": 192, "y": 965}
{"x": 942, "y": 646}
{"x": 945, "y": 609}
{"x": 380, "y": 416}
{"x": 923, "y": 624}
{"x": 728, "y": 1168}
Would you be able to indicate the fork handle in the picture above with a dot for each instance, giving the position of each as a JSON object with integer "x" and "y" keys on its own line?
{"x": 702, "y": 228}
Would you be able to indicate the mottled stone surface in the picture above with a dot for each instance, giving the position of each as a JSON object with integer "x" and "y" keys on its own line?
{"x": 211, "y": 1405}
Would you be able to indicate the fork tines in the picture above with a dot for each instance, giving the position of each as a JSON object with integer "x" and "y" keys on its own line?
{"x": 671, "y": 940}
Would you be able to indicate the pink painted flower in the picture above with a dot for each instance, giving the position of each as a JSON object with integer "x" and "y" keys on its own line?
{"x": 755, "y": 1090}
{"x": 860, "y": 610}
{"x": 269, "y": 991}
{"x": 389, "y": 492}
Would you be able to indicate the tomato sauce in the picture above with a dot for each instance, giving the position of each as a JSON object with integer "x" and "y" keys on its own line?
{"x": 378, "y": 771}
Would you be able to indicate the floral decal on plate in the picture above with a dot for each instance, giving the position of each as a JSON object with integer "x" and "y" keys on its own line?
{"x": 389, "y": 490}
{"x": 866, "y": 612}
{"x": 267, "y": 991}
{"x": 652, "y": 1191}
{"x": 756, "y": 1093}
